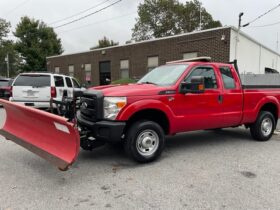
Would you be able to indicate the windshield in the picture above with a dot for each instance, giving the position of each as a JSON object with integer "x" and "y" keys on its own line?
{"x": 35, "y": 80}
{"x": 164, "y": 75}
{"x": 4, "y": 83}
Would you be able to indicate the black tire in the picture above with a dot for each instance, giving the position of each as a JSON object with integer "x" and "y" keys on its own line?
{"x": 150, "y": 147}
{"x": 258, "y": 132}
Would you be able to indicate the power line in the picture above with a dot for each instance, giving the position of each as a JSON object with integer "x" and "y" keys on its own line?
{"x": 257, "y": 18}
{"x": 16, "y": 7}
{"x": 260, "y": 26}
{"x": 76, "y": 14}
{"x": 83, "y": 26}
{"x": 102, "y": 21}
{"x": 90, "y": 14}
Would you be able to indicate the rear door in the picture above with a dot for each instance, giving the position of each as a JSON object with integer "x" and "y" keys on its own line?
{"x": 232, "y": 96}
{"x": 69, "y": 86}
{"x": 59, "y": 85}
{"x": 32, "y": 87}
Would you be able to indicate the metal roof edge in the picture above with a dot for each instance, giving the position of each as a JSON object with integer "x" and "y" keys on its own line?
{"x": 145, "y": 41}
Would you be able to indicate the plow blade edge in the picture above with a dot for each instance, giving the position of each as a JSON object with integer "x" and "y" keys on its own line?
{"x": 47, "y": 135}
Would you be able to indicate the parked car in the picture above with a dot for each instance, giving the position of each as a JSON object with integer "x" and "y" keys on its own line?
{"x": 36, "y": 89}
{"x": 5, "y": 88}
{"x": 180, "y": 96}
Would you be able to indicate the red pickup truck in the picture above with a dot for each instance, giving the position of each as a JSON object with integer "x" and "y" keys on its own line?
{"x": 177, "y": 97}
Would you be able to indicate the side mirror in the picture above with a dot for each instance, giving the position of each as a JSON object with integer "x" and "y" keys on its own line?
{"x": 195, "y": 86}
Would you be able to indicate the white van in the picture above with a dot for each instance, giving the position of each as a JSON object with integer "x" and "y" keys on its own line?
{"x": 36, "y": 89}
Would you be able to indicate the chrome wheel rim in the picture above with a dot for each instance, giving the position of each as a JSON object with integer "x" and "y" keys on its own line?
{"x": 266, "y": 126}
{"x": 147, "y": 142}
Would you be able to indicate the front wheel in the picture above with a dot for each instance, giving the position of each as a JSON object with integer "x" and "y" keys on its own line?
{"x": 144, "y": 141}
{"x": 264, "y": 126}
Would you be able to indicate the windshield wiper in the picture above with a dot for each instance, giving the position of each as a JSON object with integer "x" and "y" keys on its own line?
{"x": 149, "y": 83}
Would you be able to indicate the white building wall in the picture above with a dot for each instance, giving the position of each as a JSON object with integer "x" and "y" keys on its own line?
{"x": 252, "y": 57}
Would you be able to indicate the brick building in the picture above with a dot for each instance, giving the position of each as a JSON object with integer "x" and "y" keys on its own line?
{"x": 133, "y": 60}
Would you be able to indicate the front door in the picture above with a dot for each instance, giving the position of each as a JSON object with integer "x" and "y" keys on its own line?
{"x": 203, "y": 110}
{"x": 104, "y": 72}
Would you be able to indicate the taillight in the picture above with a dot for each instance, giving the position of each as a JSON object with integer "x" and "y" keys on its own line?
{"x": 53, "y": 92}
{"x": 11, "y": 91}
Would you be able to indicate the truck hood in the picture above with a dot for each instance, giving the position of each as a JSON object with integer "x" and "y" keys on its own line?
{"x": 130, "y": 89}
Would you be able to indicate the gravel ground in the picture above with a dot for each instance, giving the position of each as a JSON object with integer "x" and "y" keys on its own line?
{"x": 198, "y": 170}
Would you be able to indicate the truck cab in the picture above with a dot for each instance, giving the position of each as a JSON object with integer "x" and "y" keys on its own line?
{"x": 181, "y": 96}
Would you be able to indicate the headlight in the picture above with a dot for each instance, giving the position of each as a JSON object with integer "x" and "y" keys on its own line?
{"x": 112, "y": 106}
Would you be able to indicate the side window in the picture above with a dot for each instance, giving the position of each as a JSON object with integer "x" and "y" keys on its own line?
{"x": 76, "y": 84}
{"x": 209, "y": 75}
{"x": 68, "y": 82}
{"x": 58, "y": 81}
{"x": 227, "y": 76}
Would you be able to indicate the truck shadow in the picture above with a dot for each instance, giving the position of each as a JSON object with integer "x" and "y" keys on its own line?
{"x": 211, "y": 137}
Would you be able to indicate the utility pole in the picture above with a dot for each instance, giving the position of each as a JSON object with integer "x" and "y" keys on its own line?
{"x": 200, "y": 17}
{"x": 238, "y": 32}
{"x": 277, "y": 50}
{"x": 8, "y": 65}
{"x": 237, "y": 36}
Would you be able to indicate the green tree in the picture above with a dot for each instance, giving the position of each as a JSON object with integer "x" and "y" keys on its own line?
{"x": 4, "y": 29}
{"x": 35, "y": 42}
{"x": 105, "y": 42}
{"x": 160, "y": 18}
{"x": 7, "y": 48}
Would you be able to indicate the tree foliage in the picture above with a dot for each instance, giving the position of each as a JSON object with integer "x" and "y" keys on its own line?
{"x": 35, "y": 42}
{"x": 7, "y": 48}
{"x": 4, "y": 28}
{"x": 105, "y": 42}
{"x": 159, "y": 18}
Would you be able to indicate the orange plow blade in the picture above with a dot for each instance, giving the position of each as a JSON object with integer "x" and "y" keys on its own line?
{"x": 47, "y": 135}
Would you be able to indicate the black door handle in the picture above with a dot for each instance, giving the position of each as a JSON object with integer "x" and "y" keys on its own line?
{"x": 220, "y": 99}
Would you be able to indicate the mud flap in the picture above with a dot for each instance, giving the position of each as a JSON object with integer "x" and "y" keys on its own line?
{"x": 49, "y": 136}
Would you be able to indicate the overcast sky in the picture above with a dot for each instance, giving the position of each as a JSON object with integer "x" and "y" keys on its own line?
{"x": 117, "y": 21}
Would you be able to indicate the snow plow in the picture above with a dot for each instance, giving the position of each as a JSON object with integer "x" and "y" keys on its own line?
{"x": 47, "y": 135}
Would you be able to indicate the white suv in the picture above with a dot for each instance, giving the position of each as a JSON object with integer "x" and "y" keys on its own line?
{"x": 36, "y": 89}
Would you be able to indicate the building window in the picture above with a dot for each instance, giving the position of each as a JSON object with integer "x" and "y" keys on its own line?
{"x": 56, "y": 70}
{"x": 88, "y": 72}
{"x": 124, "y": 68}
{"x": 190, "y": 55}
{"x": 71, "y": 70}
{"x": 152, "y": 62}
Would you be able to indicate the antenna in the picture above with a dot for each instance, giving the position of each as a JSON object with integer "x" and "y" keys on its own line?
{"x": 200, "y": 17}
{"x": 277, "y": 50}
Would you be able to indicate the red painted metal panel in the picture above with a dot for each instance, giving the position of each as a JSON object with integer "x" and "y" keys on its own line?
{"x": 45, "y": 134}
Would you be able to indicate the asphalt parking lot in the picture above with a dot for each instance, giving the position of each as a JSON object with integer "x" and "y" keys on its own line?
{"x": 198, "y": 170}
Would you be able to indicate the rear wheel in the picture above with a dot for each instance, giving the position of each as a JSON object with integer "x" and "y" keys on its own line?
{"x": 144, "y": 141}
{"x": 264, "y": 126}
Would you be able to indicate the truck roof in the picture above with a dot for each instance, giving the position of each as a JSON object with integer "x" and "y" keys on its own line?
{"x": 203, "y": 59}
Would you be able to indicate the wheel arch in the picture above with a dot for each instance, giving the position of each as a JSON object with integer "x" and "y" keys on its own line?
{"x": 152, "y": 114}
{"x": 272, "y": 108}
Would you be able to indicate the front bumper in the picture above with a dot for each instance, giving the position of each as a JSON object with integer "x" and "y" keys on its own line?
{"x": 109, "y": 131}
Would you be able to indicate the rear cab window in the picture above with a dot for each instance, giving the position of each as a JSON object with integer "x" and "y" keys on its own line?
{"x": 227, "y": 77}
{"x": 33, "y": 80}
{"x": 58, "y": 81}
{"x": 4, "y": 83}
